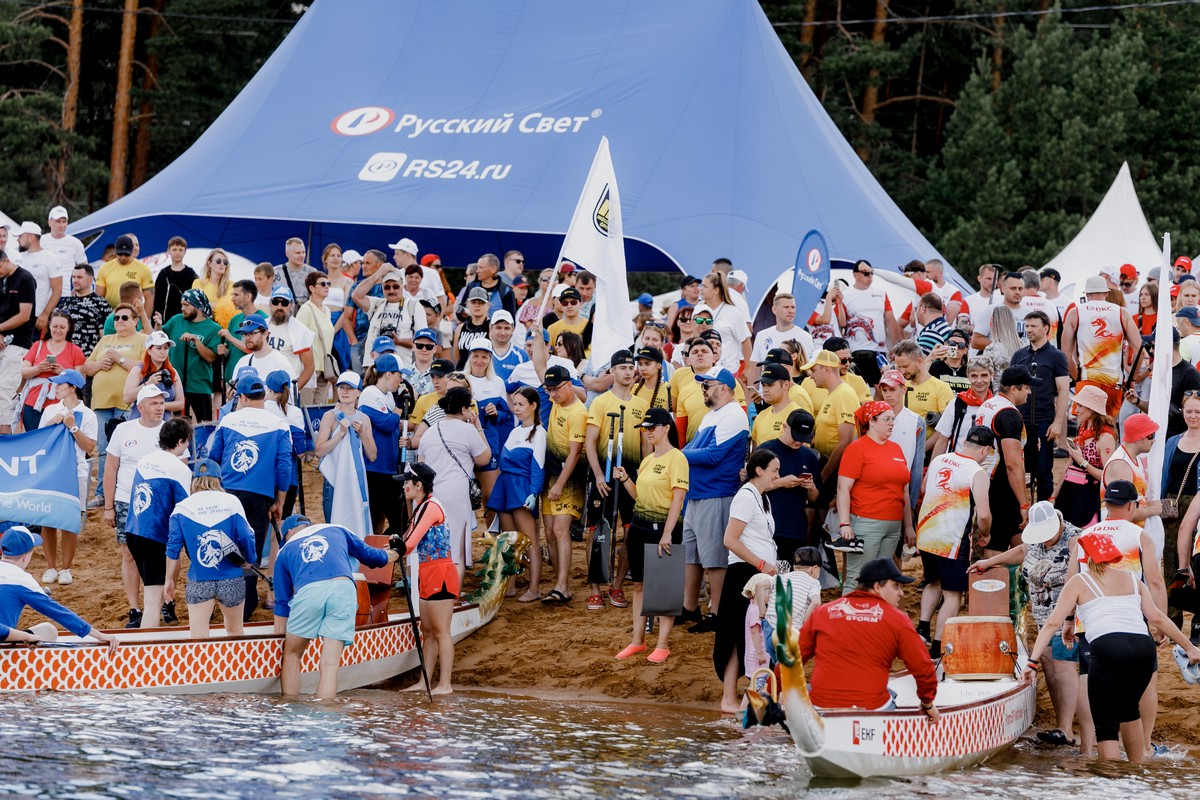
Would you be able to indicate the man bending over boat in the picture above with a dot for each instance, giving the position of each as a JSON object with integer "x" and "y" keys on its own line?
{"x": 19, "y": 589}
{"x": 857, "y": 637}
{"x": 315, "y": 596}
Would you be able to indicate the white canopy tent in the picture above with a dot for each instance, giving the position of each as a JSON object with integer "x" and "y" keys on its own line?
{"x": 1116, "y": 234}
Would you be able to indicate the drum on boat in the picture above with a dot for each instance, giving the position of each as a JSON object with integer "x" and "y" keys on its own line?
{"x": 363, "y": 615}
{"x": 979, "y": 648}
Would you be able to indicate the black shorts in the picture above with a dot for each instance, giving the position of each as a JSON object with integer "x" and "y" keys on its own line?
{"x": 150, "y": 557}
{"x": 257, "y": 508}
{"x": 1122, "y": 666}
{"x": 386, "y": 499}
{"x": 200, "y": 404}
{"x": 635, "y": 545}
{"x": 602, "y": 507}
{"x": 1006, "y": 519}
{"x": 949, "y": 573}
{"x": 1085, "y": 652}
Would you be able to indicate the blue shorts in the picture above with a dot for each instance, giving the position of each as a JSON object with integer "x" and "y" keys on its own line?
{"x": 1060, "y": 652}
{"x": 324, "y": 609}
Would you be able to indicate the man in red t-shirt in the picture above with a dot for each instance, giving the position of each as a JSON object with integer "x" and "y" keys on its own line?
{"x": 857, "y": 637}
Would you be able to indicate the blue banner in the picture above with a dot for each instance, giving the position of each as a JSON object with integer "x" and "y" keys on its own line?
{"x": 811, "y": 274}
{"x": 39, "y": 479}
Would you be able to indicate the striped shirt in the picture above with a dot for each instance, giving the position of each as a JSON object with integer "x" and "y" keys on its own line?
{"x": 933, "y": 334}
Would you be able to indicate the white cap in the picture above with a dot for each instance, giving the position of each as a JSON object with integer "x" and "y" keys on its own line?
{"x": 148, "y": 391}
{"x": 558, "y": 290}
{"x": 8, "y": 226}
{"x": 394, "y": 275}
{"x": 739, "y": 276}
{"x": 350, "y": 256}
{"x": 1044, "y": 521}
{"x": 58, "y": 212}
{"x": 349, "y": 379}
{"x": 1095, "y": 285}
{"x": 701, "y": 307}
{"x": 30, "y": 227}
{"x": 502, "y": 316}
{"x": 481, "y": 344}
{"x": 1112, "y": 271}
{"x": 158, "y": 339}
{"x": 407, "y": 245}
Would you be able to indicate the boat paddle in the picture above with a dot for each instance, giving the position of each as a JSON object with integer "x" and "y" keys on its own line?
{"x": 397, "y": 543}
{"x": 601, "y": 534}
{"x": 615, "y": 488}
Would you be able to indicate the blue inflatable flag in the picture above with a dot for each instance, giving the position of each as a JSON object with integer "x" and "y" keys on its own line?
{"x": 811, "y": 274}
{"x": 39, "y": 483}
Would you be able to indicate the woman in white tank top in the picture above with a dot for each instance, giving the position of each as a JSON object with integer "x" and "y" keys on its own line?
{"x": 1111, "y": 603}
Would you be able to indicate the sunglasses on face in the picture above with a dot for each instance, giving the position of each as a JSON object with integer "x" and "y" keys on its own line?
{"x": 324, "y": 283}
{"x": 843, "y": 361}
{"x": 543, "y": 280}
{"x": 570, "y": 302}
{"x": 279, "y": 301}
{"x": 518, "y": 261}
{"x": 122, "y": 317}
{"x": 423, "y": 346}
{"x": 220, "y": 261}
{"x": 702, "y": 320}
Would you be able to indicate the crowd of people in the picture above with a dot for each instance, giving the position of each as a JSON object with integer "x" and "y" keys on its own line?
{"x": 834, "y": 448}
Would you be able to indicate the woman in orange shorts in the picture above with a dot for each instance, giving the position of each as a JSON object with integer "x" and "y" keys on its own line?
{"x": 437, "y": 576}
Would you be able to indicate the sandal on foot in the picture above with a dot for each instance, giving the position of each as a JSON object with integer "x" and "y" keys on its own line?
{"x": 631, "y": 650}
{"x": 1055, "y": 737}
{"x": 659, "y": 655}
{"x": 555, "y": 597}
{"x": 595, "y": 602}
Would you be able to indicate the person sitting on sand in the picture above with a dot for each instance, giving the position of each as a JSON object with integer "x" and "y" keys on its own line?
{"x": 315, "y": 596}
{"x": 437, "y": 577}
{"x": 855, "y": 640}
{"x": 19, "y": 589}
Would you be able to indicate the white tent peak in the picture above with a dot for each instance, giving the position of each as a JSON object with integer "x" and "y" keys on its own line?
{"x": 1116, "y": 234}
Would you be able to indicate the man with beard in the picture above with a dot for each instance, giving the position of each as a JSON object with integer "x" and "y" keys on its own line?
{"x": 291, "y": 338}
{"x": 199, "y": 336}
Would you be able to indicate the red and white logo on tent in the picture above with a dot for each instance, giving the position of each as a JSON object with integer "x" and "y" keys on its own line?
{"x": 361, "y": 121}
{"x": 813, "y": 260}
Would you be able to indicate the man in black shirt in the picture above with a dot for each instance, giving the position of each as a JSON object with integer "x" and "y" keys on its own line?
{"x": 172, "y": 281}
{"x": 1007, "y": 494}
{"x": 798, "y": 485}
{"x": 18, "y": 291}
{"x": 1047, "y": 406}
{"x": 1184, "y": 377}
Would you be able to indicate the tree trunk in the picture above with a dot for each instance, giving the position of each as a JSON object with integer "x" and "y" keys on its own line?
{"x": 70, "y": 98}
{"x": 871, "y": 93}
{"x": 145, "y": 117}
{"x": 120, "y": 130}
{"x": 998, "y": 51}
{"x": 806, "y": 37}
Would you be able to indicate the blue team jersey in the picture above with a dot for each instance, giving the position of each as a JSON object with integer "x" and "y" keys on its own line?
{"x": 522, "y": 469}
{"x": 18, "y": 589}
{"x": 211, "y": 525}
{"x": 254, "y": 448}
{"x": 160, "y": 482}
{"x": 318, "y": 553}
{"x": 504, "y": 366}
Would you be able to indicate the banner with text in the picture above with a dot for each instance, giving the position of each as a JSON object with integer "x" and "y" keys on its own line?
{"x": 39, "y": 483}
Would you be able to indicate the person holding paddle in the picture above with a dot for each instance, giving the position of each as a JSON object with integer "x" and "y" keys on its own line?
{"x": 658, "y": 496}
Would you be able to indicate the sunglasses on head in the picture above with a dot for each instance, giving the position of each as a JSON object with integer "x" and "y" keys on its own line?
{"x": 655, "y": 324}
{"x": 279, "y": 301}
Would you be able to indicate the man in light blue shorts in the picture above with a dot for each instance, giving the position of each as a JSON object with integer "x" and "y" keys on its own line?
{"x": 315, "y": 596}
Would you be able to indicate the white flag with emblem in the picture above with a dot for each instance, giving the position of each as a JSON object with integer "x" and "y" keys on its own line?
{"x": 595, "y": 241}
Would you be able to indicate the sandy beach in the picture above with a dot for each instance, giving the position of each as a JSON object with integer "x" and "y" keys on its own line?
{"x": 558, "y": 649}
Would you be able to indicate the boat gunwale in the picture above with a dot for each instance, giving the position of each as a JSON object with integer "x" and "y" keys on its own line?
{"x": 915, "y": 712}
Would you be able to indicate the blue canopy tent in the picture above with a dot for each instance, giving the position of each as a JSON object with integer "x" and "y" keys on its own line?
{"x": 469, "y": 127}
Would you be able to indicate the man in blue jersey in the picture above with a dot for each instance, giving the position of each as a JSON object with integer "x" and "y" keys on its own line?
{"x": 160, "y": 481}
{"x": 315, "y": 596}
{"x": 505, "y": 357}
{"x": 715, "y": 457}
{"x": 19, "y": 589}
{"x": 254, "y": 448}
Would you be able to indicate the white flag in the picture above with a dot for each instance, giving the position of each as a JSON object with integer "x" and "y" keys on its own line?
{"x": 1160, "y": 398}
{"x": 596, "y": 242}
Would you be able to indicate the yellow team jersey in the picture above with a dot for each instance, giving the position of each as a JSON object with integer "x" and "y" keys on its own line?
{"x": 799, "y": 395}
{"x": 113, "y": 273}
{"x": 769, "y": 424}
{"x": 562, "y": 325}
{"x": 635, "y": 412}
{"x": 664, "y": 397}
{"x": 658, "y": 478}
{"x": 817, "y": 394}
{"x": 932, "y": 395}
{"x": 838, "y": 409}
{"x": 568, "y": 425}
{"x": 422, "y": 406}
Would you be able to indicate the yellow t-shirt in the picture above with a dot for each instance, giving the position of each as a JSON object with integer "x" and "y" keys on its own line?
{"x": 108, "y": 385}
{"x": 222, "y": 304}
{"x": 769, "y": 424}
{"x": 932, "y": 395}
{"x": 665, "y": 390}
{"x": 114, "y": 273}
{"x": 690, "y": 403}
{"x": 817, "y": 394}
{"x": 658, "y": 478}
{"x": 568, "y": 425}
{"x": 635, "y": 412}
{"x": 562, "y": 325}
{"x": 799, "y": 395}
{"x": 839, "y": 408}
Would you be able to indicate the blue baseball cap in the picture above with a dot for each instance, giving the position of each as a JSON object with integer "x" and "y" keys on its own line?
{"x": 18, "y": 540}
{"x": 243, "y": 371}
{"x": 282, "y": 292}
{"x": 645, "y": 299}
{"x": 1190, "y": 313}
{"x": 206, "y": 468}
{"x": 721, "y": 376}
{"x": 293, "y": 522}
{"x": 71, "y": 376}
{"x": 251, "y": 386}
{"x": 425, "y": 333}
{"x": 383, "y": 344}
{"x": 387, "y": 363}
{"x": 252, "y": 323}
{"x": 278, "y": 379}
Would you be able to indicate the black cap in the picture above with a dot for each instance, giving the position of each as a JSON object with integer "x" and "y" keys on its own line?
{"x": 620, "y": 357}
{"x": 955, "y": 333}
{"x": 772, "y": 373}
{"x": 124, "y": 245}
{"x": 570, "y": 293}
{"x": 1051, "y": 272}
{"x": 650, "y": 354}
{"x": 777, "y": 355}
{"x": 418, "y": 471}
{"x": 880, "y": 570}
{"x": 807, "y": 557}
{"x": 556, "y": 376}
{"x": 1018, "y": 376}
{"x": 801, "y": 424}
{"x": 441, "y": 367}
{"x": 431, "y": 304}
{"x": 656, "y": 416}
{"x": 1120, "y": 493}
{"x": 981, "y": 436}
{"x": 712, "y": 335}
{"x": 687, "y": 281}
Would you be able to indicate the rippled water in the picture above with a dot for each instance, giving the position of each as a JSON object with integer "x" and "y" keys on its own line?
{"x": 380, "y": 743}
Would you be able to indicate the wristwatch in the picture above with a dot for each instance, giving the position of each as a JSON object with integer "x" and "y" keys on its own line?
{"x": 73, "y": 429}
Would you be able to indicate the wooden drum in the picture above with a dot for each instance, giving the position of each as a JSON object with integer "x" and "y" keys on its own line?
{"x": 363, "y": 615}
{"x": 979, "y": 648}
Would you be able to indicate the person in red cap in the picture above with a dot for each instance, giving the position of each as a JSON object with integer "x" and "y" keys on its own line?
{"x": 1121, "y": 653}
{"x": 1183, "y": 266}
{"x": 1129, "y": 285}
{"x": 1130, "y": 463}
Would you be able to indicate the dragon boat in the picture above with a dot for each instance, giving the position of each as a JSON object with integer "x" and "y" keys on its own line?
{"x": 983, "y": 705}
{"x": 168, "y": 661}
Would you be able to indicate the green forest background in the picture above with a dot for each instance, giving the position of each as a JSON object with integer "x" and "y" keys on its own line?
{"x": 996, "y": 125}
